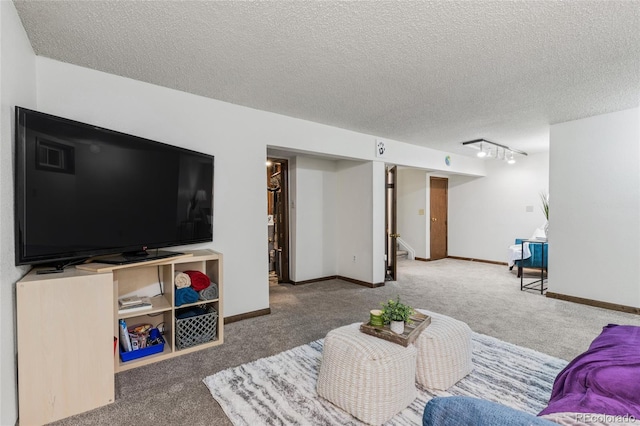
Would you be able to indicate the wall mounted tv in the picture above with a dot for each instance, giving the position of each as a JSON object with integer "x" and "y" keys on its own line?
{"x": 83, "y": 191}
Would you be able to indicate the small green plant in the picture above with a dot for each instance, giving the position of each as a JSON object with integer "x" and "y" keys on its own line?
{"x": 395, "y": 310}
{"x": 544, "y": 198}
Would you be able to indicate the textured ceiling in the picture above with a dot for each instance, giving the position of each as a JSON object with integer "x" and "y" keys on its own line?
{"x": 432, "y": 73}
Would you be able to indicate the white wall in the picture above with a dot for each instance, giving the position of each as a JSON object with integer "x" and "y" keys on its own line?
{"x": 238, "y": 137}
{"x": 357, "y": 146}
{"x": 314, "y": 201}
{"x": 594, "y": 213}
{"x": 192, "y": 122}
{"x": 378, "y": 197}
{"x": 336, "y": 201}
{"x": 411, "y": 198}
{"x": 355, "y": 236}
{"x": 17, "y": 87}
{"x": 486, "y": 214}
{"x": 293, "y": 217}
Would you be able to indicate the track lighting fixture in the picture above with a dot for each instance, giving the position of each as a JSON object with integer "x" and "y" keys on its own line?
{"x": 492, "y": 149}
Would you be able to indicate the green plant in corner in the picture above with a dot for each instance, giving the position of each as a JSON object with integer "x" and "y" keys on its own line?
{"x": 395, "y": 310}
{"x": 544, "y": 197}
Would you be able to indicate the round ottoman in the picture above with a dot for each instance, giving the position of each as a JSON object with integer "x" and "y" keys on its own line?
{"x": 444, "y": 352}
{"x": 368, "y": 377}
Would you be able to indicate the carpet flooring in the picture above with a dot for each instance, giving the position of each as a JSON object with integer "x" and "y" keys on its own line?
{"x": 281, "y": 389}
{"x": 485, "y": 296}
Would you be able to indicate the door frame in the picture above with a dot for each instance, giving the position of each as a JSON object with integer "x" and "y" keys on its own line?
{"x": 283, "y": 218}
{"x": 391, "y": 222}
{"x": 432, "y": 240}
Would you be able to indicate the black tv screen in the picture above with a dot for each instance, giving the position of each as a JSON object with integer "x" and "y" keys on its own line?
{"x": 83, "y": 191}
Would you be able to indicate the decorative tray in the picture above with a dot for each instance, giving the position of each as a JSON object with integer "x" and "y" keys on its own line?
{"x": 411, "y": 331}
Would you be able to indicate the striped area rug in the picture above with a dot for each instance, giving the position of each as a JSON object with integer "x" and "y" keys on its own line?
{"x": 281, "y": 389}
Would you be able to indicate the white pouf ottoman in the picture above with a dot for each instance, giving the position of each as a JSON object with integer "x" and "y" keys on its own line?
{"x": 368, "y": 377}
{"x": 444, "y": 352}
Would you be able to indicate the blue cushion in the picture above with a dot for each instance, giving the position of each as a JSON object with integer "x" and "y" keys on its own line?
{"x": 464, "y": 410}
{"x": 536, "y": 255}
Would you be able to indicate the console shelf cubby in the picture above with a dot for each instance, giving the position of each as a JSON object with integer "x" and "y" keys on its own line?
{"x": 69, "y": 320}
{"x": 155, "y": 279}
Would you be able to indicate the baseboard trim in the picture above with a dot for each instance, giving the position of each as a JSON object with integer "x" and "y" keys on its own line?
{"x": 362, "y": 283}
{"x": 247, "y": 315}
{"x": 422, "y": 259}
{"x": 315, "y": 280}
{"x": 595, "y": 303}
{"x": 339, "y": 277}
{"x": 471, "y": 259}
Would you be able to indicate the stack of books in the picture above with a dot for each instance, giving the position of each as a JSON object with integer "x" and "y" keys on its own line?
{"x": 133, "y": 304}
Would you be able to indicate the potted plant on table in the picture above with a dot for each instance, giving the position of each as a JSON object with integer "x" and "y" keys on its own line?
{"x": 396, "y": 314}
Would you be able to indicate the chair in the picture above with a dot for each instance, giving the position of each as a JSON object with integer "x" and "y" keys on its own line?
{"x": 539, "y": 258}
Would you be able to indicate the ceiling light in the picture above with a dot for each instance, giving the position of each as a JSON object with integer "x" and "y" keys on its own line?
{"x": 482, "y": 153}
{"x": 480, "y": 143}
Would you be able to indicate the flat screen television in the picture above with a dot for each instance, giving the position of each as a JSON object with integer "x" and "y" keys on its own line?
{"x": 83, "y": 191}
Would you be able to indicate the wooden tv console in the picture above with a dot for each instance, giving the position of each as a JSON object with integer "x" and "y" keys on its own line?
{"x": 67, "y": 323}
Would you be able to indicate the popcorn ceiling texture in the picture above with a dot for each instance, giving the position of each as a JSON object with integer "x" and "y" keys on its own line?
{"x": 431, "y": 73}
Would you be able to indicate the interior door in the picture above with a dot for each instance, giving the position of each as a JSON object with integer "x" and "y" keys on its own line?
{"x": 438, "y": 201}
{"x": 391, "y": 251}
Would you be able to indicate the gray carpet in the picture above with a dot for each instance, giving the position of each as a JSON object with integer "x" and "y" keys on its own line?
{"x": 485, "y": 296}
{"x": 281, "y": 390}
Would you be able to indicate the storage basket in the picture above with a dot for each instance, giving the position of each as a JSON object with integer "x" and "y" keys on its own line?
{"x": 149, "y": 350}
{"x": 196, "y": 330}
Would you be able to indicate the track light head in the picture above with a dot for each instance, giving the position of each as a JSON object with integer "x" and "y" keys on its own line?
{"x": 479, "y": 144}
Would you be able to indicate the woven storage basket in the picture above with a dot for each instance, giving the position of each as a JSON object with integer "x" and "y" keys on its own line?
{"x": 196, "y": 330}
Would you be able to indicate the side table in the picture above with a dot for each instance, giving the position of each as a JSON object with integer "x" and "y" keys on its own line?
{"x": 537, "y": 284}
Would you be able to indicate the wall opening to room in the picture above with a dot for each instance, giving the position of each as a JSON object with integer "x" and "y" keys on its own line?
{"x": 277, "y": 220}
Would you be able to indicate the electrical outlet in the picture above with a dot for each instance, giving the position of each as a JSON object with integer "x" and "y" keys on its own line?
{"x": 354, "y": 258}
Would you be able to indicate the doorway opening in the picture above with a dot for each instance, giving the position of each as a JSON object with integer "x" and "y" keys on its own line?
{"x": 278, "y": 219}
{"x": 391, "y": 226}
{"x": 438, "y": 200}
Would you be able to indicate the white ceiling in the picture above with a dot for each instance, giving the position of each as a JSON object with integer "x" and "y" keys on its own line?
{"x": 431, "y": 73}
